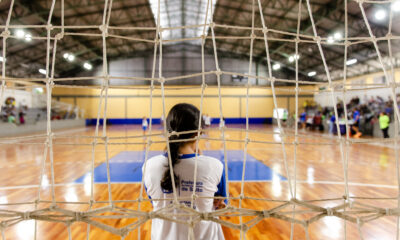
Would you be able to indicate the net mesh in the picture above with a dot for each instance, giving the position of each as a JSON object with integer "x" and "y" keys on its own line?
{"x": 349, "y": 208}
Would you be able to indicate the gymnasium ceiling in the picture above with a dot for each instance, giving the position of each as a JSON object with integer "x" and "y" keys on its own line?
{"x": 25, "y": 58}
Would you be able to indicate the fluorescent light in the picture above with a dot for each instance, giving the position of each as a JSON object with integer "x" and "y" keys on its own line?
{"x": 28, "y": 37}
{"x": 88, "y": 66}
{"x": 294, "y": 57}
{"x": 42, "y": 71}
{"x": 396, "y": 6}
{"x": 276, "y": 66}
{"x": 312, "y": 74}
{"x": 71, "y": 57}
{"x": 337, "y": 35}
{"x": 20, "y": 33}
{"x": 330, "y": 40}
{"x": 66, "y": 55}
{"x": 39, "y": 90}
{"x": 380, "y": 14}
{"x": 351, "y": 61}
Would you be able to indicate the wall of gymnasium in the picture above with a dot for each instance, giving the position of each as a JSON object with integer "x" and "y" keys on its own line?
{"x": 135, "y": 103}
{"x": 324, "y": 99}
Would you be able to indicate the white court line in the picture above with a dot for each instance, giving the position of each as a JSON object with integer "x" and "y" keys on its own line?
{"x": 82, "y": 129}
{"x": 255, "y": 181}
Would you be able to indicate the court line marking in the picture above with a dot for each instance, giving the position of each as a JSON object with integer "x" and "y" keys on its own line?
{"x": 255, "y": 181}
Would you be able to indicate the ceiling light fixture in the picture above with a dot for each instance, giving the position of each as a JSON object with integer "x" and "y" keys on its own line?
{"x": 396, "y": 6}
{"x": 42, "y": 71}
{"x": 71, "y": 57}
{"x": 276, "y": 66}
{"x": 351, "y": 61}
{"x": 20, "y": 33}
{"x": 88, "y": 66}
{"x": 312, "y": 74}
{"x": 337, "y": 35}
{"x": 380, "y": 14}
{"x": 28, "y": 37}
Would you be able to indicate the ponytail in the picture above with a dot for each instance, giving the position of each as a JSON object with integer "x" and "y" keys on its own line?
{"x": 182, "y": 117}
{"x": 166, "y": 181}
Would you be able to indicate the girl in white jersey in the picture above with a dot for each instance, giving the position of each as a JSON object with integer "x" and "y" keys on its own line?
{"x": 210, "y": 179}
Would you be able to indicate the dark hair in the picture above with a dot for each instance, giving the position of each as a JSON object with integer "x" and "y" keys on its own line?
{"x": 182, "y": 117}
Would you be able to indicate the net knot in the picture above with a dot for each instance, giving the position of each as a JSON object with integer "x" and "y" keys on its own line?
{"x": 26, "y": 215}
{"x": 173, "y": 133}
{"x": 388, "y": 211}
{"x": 104, "y": 29}
{"x": 347, "y": 43}
{"x": 272, "y": 79}
{"x": 5, "y": 34}
{"x": 194, "y": 196}
{"x": 297, "y": 40}
{"x": 205, "y": 216}
{"x": 212, "y": 25}
{"x": 241, "y": 196}
{"x": 203, "y": 85}
{"x": 59, "y": 36}
{"x": 253, "y": 36}
{"x": 78, "y": 216}
{"x": 359, "y": 222}
{"x": 52, "y": 207}
{"x": 124, "y": 232}
{"x": 329, "y": 211}
{"x": 161, "y": 80}
{"x": 317, "y": 39}
{"x": 3, "y": 225}
{"x": 265, "y": 30}
{"x": 266, "y": 214}
{"x": 373, "y": 38}
{"x": 49, "y": 27}
{"x": 218, "y": 72}
{"x": 389, "y": 35}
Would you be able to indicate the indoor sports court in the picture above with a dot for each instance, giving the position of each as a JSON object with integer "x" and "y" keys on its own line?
{"x": 295, "y": 105}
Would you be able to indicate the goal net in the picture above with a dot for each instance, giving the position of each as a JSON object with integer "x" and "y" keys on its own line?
{"x": 239, "y": 213}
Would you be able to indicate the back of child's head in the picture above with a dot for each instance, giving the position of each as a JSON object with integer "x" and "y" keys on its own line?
{"x": 182, "y": 117}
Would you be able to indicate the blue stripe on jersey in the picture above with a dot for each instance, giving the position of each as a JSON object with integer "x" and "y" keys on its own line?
{"x": 221, "y": 192}
{"x": 184, "y": 156}
{"x": 145, "y": 188}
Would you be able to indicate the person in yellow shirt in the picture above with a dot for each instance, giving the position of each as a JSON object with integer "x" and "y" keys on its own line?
{"x": 384, "y": 124}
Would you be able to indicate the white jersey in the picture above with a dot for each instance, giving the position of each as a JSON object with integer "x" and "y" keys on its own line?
{"x": 144, "y": 123}
{"x": 210, "y": 182}
{"x": 207, "y": 121}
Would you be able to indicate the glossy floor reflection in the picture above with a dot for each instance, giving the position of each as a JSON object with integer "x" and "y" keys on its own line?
{"x": 319, "y": 175}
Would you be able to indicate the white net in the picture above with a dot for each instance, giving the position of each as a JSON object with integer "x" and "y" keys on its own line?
{"x": 292, "y": 210}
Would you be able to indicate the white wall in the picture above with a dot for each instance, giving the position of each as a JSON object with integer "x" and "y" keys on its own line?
{"x": 179, "y": 64}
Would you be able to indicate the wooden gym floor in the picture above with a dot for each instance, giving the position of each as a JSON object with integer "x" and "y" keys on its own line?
{"x": 372, "y": 173}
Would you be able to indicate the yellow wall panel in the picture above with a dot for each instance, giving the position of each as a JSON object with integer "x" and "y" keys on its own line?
{"x": 69, "y": 100}
{"x": 90, "y": 105}
{"x": 116, "y": 108}
{"x": 138, "y": 101}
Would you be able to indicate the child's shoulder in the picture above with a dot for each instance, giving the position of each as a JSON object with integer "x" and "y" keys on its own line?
{"x": 211, "y": 161}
